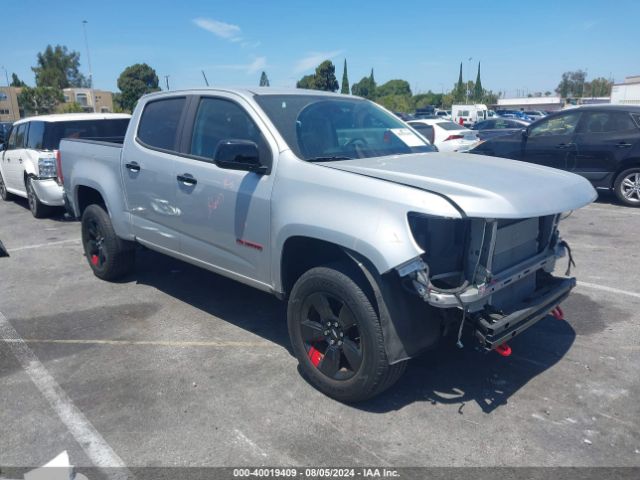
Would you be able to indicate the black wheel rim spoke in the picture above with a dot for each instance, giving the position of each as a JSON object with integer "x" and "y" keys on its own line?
{"x": 312, "y": 331}
{"x": 353, "y": 354}
{"x": 320, "y": 304}
{"x": 330, "y": 363}
{"x": 346, "y": 318}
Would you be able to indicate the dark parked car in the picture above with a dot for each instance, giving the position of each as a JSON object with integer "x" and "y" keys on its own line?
{"x": 599, "y": 142}
{"x": 498, "y": 126}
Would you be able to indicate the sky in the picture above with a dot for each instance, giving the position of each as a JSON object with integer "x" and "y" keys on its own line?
{"x": 523, "y": 46}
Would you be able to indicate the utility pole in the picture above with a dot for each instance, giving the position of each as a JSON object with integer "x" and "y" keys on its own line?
{"x": 166, "y": 80}
{"x": 205, "y": 78}
{"x": 466, "y": 84}
{"x": 86, "y": 44}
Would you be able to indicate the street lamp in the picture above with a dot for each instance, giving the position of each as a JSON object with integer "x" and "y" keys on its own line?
{"x": 86, "y": 44}
{"x": 466, "y": 84}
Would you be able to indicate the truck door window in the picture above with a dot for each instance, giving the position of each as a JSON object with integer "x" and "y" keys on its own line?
{"x": 218, "y": 120}
{"x": 159, "y": 123}
{"x": 603, "y": 122}
{"x": 560, "y": 125}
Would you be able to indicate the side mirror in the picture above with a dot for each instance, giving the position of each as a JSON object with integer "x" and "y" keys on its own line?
{"x": 239, "y": 155}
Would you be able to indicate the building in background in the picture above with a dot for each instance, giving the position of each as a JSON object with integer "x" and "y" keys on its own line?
{"x": 628, "y": 92}
{"x": 531, "y": 103}
{"x": 9, "y": 109}
{"x": 89, "y": 99}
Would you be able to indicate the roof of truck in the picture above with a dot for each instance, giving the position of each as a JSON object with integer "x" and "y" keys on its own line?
{"x": 251, "y": 91}
{"x": 66, "y": 117}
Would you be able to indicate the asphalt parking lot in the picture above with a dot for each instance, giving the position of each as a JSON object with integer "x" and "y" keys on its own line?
{"x": 176, "y": 366}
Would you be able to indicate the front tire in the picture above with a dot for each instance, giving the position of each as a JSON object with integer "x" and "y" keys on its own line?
{"x": 4, "y": 194}
{"x": 337, "y": 337}
{"x": 38, "y": 209}
{"x": 109, "y": 257}
{"x": 627, "y": 187}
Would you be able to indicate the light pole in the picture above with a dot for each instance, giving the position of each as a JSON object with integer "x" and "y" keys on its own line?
{"x": 466, "y": 84}
{"x": 6, "y": 75}
{"x": 86, "y": 44}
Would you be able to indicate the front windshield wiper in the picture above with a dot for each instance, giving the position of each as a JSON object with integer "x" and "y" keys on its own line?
{"x": 328, "y": 159}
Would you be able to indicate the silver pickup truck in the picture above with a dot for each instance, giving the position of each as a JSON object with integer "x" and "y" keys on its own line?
{"x": 380, "y": 245}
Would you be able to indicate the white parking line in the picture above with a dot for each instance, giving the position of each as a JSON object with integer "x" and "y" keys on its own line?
{"x": 96, "y": 448}
{"x": 608, "y": 289}
{"x": 43, "y": 245}
{"x": 159, "y": 343}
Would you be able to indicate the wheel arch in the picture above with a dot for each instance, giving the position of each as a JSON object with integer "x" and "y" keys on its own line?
{"x": 624, "y": 165}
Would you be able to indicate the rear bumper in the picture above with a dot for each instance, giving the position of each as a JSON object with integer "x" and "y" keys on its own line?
{"x": 492, "y": 332}
{"x": 49, "y": 192}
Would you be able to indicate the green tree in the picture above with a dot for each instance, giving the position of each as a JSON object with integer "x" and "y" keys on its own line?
{"x": 59, "y": 68}
{"x": 325, "y": 77}
{"x": 366, "y": 87}
{"x": 134, "y": 82}
{"x": 422, "y": 100}
{"x": 16, "y": 82}
{"x": 308, "y": 82}
{"x": 572, "y": 84}
{"x": 478, "y": 92}
{"x": 71, "y": 107}
{"x": 459, "y": 93}
{"x": 39, "y": 100}
{"x": 598, "y": 87}
{"x": 345, "y": 79}
{"x": 394, "y": 87}
{"x": 396, "y": 103}
{"x": 264, "y": 80}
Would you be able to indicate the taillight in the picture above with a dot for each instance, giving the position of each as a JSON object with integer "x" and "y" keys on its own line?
{"x": 454, "y": 137}
{"x": 60, "y": 178}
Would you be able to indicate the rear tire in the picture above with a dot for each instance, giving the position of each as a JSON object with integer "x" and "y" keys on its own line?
{"x": 4, "y": 194}
{"x": 327, "y": 305}
{"x": 38, "y": 209}
{"x": 109, "y": 257}
{"x": 627, "y": 187}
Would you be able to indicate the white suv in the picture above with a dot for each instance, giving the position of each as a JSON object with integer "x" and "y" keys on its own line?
{"x": 28, "y": 166}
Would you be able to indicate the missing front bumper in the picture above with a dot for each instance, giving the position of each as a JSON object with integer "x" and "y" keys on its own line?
{"x": 494, "y": 329}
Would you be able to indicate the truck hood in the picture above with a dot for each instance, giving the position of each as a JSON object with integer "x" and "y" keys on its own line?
{"x": 481, "y": 186}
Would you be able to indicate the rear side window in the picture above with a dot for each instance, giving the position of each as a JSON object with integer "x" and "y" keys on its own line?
{"x": 636, "y": 118}
{"x": 105, "y": 130}
{"x": 606, "y": 122}
{"x": 36, "y": 135}
{"x": 426, "y": 131}
{"x": 159, "y": 123}
{"x": 21, "y": 133}
{"x": 451, "y": 126}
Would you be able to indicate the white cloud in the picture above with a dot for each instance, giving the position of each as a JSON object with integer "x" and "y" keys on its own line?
{"x": 251, "y": 44}
{"x": 228, "y": 31}
{"x": 313, "y": 59}
{"x": 589, "y": 24}
{"x": 258, "y": 63}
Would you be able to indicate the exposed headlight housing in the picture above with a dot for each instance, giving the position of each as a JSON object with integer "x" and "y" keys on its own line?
{"x": 47, "y": 168}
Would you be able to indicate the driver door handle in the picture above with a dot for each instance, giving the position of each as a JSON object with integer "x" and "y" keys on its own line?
{"x": 133, "y": 166}
{"x": 624, "y": 145}
{"x": 565, "y": 145}
{"x": 187, "y": 179}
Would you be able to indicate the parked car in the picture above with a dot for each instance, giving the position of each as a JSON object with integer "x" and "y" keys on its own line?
{"x": 498, "y": 126}
{"x": 28, "y": 160}
{"x": 599, "y": 142}
{"x": 4, "y": 131}
{"x": 377, "y": 243}
{"x": 535, "y": 114}
{"x": 514, "y": 114}
{"x": 443, "y": 114}
{"x": 446, "y": 135}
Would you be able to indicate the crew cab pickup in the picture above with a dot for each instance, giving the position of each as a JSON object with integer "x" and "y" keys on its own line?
{"x": 379, "y": 244}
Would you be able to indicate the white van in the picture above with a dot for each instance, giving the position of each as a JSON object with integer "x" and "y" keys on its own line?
{"x": 28, "y": 166}
{"x": 470, "y": 114}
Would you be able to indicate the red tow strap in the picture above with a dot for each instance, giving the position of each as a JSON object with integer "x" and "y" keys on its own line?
{"x": 557, "y": 313}
{"x": 504, "y": 350}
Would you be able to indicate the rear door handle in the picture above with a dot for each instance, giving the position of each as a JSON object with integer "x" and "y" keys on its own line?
{"x": 133, "y": 166}
{"x": 624, "y": 145}
{"x": 565, "y": 145}
{"x": 187, "y": 178}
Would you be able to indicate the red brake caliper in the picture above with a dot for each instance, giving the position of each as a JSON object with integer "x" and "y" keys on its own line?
{"x": 504, "y": 350}
{"x": 94, "y": 260}
{"x": 315, "y": 356}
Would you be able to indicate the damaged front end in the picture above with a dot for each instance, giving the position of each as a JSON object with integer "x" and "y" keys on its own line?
{"x": 496, "y": 272}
